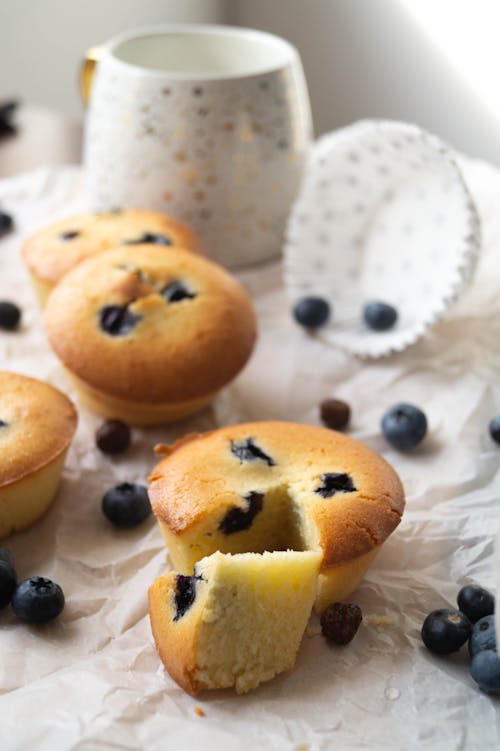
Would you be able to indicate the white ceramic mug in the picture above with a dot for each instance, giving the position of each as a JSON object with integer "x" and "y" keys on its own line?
{"x": 208, "y": 123}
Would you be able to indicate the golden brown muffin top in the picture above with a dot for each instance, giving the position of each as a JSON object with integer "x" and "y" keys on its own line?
{"x": 141, "y": 324}
{"x": 55, "y": 249}
{"x": 349, "y": 498}
{"x": 37, "y": 423}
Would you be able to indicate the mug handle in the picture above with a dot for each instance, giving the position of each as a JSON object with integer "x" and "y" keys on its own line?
{"x": 87, "y": 70}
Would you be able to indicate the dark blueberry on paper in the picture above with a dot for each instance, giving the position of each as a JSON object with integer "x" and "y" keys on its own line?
{"x": 69, "y": 234}
{"x": 7, "y": 111}
{"x": 335, "y": 413}
{"x": 150, "y": 238}
{"x": 7, "y": 578}
{"x": 380, "y": 316}
{"x": 6, "y": 223}
{"x": 112, "y": 437}
{"x": 404, "y": 426}
{"x": 445, "y": 631}
{"x": 483, "y": 635}
{"x": 340, "y": 622}
{"x": 475, "y": 602}
{"x": 185, "y": 594}
{"x": 237, "y": 519}
{"x": 126, "y": 505}
{"x": 37, "y": 600}
{"x": 494, "y": 428}
{"x": 10, "y": 315}
{"x": 335, "y": 482}
{"x": 311, "y": 312}
{"x": 485, "y": 669}
{"x": 177, "y": 291}
{"x": 248, "y": 451}
{"x": 117, "y": 320}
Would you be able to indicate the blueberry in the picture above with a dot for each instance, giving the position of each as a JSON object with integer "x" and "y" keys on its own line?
{"x": 69, "y": 234}
{"x": 3, "y": 424}
{"x": 177, "y": 291}
{"x": 10, "y": 315}
{"x": 494, "y": 428}
{"x": 475, "y": 602}
{"x": 7, "y": 580}
{"x": 112, "y": 437}
{"x": 379, "y": 316}
{"x": 340, "y": 622}
{"x": 311, "y": 312}
{"x": 335, "y": 482}
{"x": 485, "y": 669}
{"x": 37, "y": 600}
{"x": 185, "y": 594}
{"x": 248, "y": 451}
{"x": 404, "y": 426}
{"x": 150, "y": 237}
{"x": 7, "y": 110}
{"x": 483, "y": 635}
{"x": 6, "y": 223}
{"x": 126, "y": 505}
{"x": 444, "y": 631}
{"x": 238, "y": 519}
{"x": 117, "y": 320}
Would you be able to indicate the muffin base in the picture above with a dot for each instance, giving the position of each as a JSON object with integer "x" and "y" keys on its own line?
{"x": 136, "y": 413}
{"x": 23, "y": 502}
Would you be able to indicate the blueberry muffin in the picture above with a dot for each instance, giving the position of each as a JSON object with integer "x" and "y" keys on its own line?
{"x": 55, "y": 249}
{"x": 277, "y": 486}
{"x": 37, "y": 424}
{"x": 237, "y": 621}
{"x": 150, "y": 337}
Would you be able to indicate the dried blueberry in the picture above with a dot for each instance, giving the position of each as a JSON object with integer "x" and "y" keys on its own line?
{"x": 311, "y": 312}
{"x": 404, "y": 426}
{"x": 177, "y": 291}
{"x": 483, "y": 635}
{"x": 494, "y": 428}
{"x": 6, "y": 223}
{"x": 444, "y": 631}
{"x": 69, "y": 234}
{"x": 150, "y": 237}
{"x": 10, "y": 315}
{"x": 238, "y": 519}
{"x": 117, "y": 320}
{"x": 485, "y": 669}
{"x": 7, "y": 578}
{"x": 126, "y": 505}
{"x": 335, "y": 482}
{"x": 112, "y": 437}
{"x": 185, "y": 593}
{"x": 248, "y": 451}
{"x": 475, "y": 602}
{"x": 37, "y": 600}
{"x": 335, "y": 413}
{"x": 340, "y": 622}
{"x": 379, "y": 316}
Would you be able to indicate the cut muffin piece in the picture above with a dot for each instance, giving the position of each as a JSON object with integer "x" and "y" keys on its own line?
{"x": 237, "y": 622}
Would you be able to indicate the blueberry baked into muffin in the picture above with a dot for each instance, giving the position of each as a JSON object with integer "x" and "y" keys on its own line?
{"x": 149, "y": 337}
{"x": 55, "y": 249}
{"x": 37, "y": 424}
{"x": 268, "y": 486}
{"x": 237, "y": 621}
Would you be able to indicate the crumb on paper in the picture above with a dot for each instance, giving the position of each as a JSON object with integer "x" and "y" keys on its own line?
{"x": 199, "y": 711}
{"x": 379, "y": 621}
{"x": 312, "y": 630}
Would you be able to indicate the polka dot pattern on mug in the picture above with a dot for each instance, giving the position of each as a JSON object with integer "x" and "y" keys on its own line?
{"x": 383, "y": 214}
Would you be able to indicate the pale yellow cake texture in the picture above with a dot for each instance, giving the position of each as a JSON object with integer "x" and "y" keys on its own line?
{"x": 55, "y": 249}
{"x": 201, "y": 480}
{"x": 176, "y": 357}
{"x": 245, "y": 624}
{"x": 38, "y": 424}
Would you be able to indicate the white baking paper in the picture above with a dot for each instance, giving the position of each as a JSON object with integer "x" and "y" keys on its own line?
{"x": 92, "y": 681}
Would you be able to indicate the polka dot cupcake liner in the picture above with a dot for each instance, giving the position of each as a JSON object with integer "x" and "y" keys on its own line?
{"x": 383, "y": 214}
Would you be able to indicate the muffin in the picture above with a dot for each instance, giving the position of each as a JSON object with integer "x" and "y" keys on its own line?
{"x": 150, "y": 337}
{"x": 37, "y": 424}
{"x": 277, "y": 486}
{"x": 55, "y": 249}
{"x": 237, "y": 622}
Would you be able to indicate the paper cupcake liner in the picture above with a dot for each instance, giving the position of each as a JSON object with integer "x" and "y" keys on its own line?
{"x": 383, "y": 214}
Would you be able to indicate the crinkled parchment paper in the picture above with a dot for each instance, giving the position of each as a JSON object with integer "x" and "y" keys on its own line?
{"x": 92, "y": 680}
